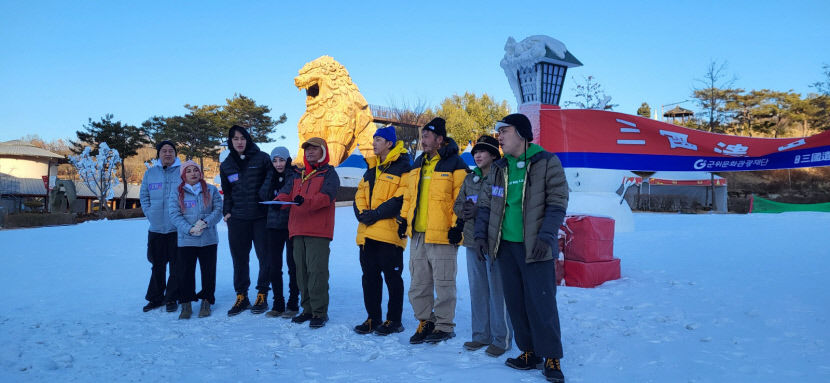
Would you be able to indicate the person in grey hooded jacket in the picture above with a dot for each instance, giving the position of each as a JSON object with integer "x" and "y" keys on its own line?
{"x": 157, "y": 184}
{"x": 195, "y": 209}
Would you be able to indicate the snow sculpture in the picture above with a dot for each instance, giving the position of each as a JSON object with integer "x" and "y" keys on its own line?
{"x": 98, "y": 173}
{"x": 335, "y": 110}
{"x": 523, "y": 56}
{"x": 535, "y": 68}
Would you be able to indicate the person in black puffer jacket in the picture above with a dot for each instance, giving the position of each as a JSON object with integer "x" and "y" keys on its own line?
{"x": 242, "y": 175}
{"x": 277, "y": 223}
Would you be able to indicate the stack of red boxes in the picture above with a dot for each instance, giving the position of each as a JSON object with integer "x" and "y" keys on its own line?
{"x": 588, "y": 246}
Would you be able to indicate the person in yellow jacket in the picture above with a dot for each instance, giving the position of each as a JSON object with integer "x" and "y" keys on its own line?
{"x": 377, "y": 203}
{"x": 427, "y": 217}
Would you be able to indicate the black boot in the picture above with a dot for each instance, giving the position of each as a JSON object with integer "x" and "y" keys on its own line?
{"x": 438, "y": 336}
{"x": 242, "y": 304}
{"x": 260, "y": 304}
{"x": 317, "y": 322}
{"x": 425, "y": 328}
{"x": 526, "y": 361}
{"x": 367, "y": 327}
{"x": 152, "y": 306}
{"x": 389, "y": 327}
{"x": 277, "y": 309}
{"x": 553, "y": 371}
{"x": 302, "y": 318}
{"x": 172, "y": 306}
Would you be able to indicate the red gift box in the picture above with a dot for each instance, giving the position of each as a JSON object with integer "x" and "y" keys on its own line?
{"x": 589, "y": 238}
{"x": 591, "y": 274}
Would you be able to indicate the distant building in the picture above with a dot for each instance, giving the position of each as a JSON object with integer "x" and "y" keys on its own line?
{"x": 24, "y": 171}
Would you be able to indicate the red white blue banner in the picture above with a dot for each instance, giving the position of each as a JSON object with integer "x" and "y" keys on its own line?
{"x": 611, "y": 140}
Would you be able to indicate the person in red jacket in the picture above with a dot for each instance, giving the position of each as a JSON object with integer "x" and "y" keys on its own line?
{"x": 311, "y": 227}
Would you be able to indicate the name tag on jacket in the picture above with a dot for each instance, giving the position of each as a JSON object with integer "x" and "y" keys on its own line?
{"x": 498, "y": 191}
{"x": 155, "y": 186}
{"x": 233, "y": 177}
{"x": 189, "y": 204}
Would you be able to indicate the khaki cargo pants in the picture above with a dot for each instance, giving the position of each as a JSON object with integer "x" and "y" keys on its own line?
{"x": 311, "y": 256}
{"x": 432, "y": 292}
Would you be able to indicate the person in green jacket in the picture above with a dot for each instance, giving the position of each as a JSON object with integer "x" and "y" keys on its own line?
{"x": 518, "y": 222}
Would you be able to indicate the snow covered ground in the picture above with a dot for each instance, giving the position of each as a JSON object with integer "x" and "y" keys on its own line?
{"x": 703, "y": 298}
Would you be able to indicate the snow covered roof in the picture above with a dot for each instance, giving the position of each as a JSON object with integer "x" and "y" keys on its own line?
{"x": 24, "y": 149}
{"x": 11, "y": 185}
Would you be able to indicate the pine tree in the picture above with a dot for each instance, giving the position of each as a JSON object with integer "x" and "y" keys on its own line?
{"x": 125, "y": 139}
{"x": 644, "y": 110}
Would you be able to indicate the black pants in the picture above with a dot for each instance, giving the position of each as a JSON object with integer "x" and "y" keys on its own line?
{"x": 161, "y": 250}
{"x": 530, "y": 296}
{"x": 277, "y": 241}
{"x": 186, "y": 269}
{"x": 241, "y": 233}
{"x": 380, "y": 257}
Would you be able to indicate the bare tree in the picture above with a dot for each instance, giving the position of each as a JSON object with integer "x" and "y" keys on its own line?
{"x": 823, "y": 87}
{"x": 411, "y": 115}
{"x": 588, "y": 94}
{"x": 713, "y": 94}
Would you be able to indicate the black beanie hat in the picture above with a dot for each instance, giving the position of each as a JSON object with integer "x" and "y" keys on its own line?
{"x": 437, "y": 126}
{"x": 165, "y": 142}
{"x": 489, "y": 144}
{"x": 521, "y": 123}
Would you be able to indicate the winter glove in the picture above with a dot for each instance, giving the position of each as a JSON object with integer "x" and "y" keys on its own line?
{"x": 540, "y": 250}
{"x": 401, "y": 227}
{"x": 454, "y": 235}
{"x": 368, "y": 217}
{"x": 469, "y": 210}
{"x": 482, "y": 246}
{"x": 299, "y": 200}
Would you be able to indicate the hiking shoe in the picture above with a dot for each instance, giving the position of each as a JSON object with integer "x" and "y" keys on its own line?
{"x": 152, "y": 306}
{"x": 494, "y": 351}
{"x": 425, "y": 328}
{"x": 438, "y": 336}
{"x": 472, "y": 346}
{"x": 172, "y": 306}
{"x": 274, "y": 313}
{"x": 553, "y": 371}
{"x": 260, "y": 304}
{"x": 204, "y": 310}
{"x": 242, "y": 304}
{"x": 289, "y": 314}
{"x": 302, "y": 318}
{"x": 525, "y": 361}
{"x": 187, "y": 311}
{"x": 366, "y": 327}
{"x": 389, "y": 327}
{"x": 317, "y": 322}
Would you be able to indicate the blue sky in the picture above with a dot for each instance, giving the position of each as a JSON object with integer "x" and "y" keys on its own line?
{"x": 63, "y": 62}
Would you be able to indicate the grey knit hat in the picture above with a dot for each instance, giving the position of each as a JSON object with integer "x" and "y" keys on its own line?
{"x": 281, "y": 152}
